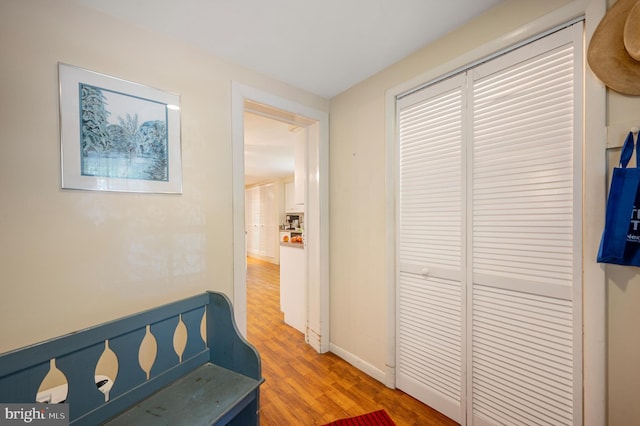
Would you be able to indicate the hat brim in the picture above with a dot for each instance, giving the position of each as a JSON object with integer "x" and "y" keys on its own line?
{"x": 607, "y": 55}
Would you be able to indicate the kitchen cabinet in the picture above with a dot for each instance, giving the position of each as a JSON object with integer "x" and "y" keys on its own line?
{"x": 290, "y": 198}
{"x": 261, "y": 220}
{"x": 300, "y": 157}
{"x": 293, "y": 285}
{"x": 294, "y": 192}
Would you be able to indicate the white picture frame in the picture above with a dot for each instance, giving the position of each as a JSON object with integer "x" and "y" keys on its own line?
{"x": 116, "y": 135}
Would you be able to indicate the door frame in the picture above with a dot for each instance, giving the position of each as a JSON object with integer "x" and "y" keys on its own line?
{"x": 316, "y": 211}
{"x": 593, "y": 276}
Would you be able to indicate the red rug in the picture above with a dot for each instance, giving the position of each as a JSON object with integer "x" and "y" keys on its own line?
{"x": 377, "y": 418}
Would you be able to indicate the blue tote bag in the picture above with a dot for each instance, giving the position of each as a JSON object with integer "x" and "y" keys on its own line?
{"x": 620, "y": 242}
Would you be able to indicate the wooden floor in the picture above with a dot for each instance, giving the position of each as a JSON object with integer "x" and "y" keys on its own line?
{"x": 306, "y": 388}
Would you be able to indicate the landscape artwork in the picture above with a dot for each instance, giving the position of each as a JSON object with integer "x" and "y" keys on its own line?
{"x": 117, "y": 135}
{"x": 122, "y": 136}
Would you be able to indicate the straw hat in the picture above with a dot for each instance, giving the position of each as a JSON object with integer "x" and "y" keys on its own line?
{"x": 614, "y": 51}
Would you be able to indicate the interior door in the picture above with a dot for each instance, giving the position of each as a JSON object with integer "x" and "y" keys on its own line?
{"x": 526, "y": 199}
{"x": 430, "y": 351}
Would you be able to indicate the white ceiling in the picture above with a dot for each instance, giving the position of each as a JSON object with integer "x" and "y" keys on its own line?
{"x": 268, "y": 148}
{"x": 322, "y": 46}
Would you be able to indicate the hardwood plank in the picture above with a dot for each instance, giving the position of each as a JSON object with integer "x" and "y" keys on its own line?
{"x": 306, "y": 388}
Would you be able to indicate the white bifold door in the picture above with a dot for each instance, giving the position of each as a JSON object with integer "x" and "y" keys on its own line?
{"x": 489, "y": 238}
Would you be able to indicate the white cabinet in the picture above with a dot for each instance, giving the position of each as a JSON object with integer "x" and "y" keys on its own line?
{"x": 294, "y": 192}
{"x": 293, "y": 286}
{"x": 290, "y": 198}
{"x": 261, "y": 220}
{"x": 300, "y": 170}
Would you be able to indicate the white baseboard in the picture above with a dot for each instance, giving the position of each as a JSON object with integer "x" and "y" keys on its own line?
{"x": 360, "y": 364}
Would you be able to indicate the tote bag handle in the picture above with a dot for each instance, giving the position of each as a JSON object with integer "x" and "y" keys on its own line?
{"x": 627, "y": 151}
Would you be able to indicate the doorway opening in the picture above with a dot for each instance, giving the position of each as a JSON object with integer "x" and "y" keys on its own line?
{"x": 315, "y": 181}
{"x": 275, "y": 145}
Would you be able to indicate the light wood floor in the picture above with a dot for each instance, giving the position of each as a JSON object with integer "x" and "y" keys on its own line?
{"x": 306, "y": 388}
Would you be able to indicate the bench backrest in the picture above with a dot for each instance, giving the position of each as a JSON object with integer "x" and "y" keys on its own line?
{"x": 76, "y": 356}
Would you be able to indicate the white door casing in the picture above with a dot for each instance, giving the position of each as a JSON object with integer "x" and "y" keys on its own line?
{"x": 316, "y": 211}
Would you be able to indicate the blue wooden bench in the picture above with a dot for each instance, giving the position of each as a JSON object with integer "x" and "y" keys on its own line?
{"x": 215, "y": 382}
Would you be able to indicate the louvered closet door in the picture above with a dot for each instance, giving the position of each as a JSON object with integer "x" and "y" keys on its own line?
{"x": 430, "y": 247}
{"x": 489, "y": 239}
{"x": 526, "y": 235}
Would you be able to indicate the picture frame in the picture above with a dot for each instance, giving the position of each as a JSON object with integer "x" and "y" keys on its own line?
{"x": 116, "y": 135}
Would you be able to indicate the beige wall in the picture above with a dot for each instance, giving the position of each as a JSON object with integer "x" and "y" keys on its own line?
{"x": 623, "y": 297}
{"x": 71, "y": 259}
{"x": 357, "y": 164}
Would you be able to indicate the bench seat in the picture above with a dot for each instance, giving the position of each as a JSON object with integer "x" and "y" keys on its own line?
{"x": 209, "y": 395}
{"x": 213, "y": 378}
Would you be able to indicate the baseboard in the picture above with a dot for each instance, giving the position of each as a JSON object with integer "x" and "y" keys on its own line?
{"x": 359, "y": 363}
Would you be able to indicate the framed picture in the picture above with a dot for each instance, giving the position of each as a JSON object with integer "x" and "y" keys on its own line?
{"x": 117, "y": 135}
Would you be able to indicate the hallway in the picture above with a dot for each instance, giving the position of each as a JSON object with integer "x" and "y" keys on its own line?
{"x": 306, "y": 388}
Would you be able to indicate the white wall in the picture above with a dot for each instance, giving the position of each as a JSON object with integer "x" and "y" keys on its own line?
{"x": 71, "y": 259}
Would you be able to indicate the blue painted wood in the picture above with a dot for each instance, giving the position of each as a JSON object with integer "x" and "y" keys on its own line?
{"x": 22, "y": 386}
{"x": 76, "y": 355}
{"x": 79, "y": 368}
{"x": 149, "y": 387}
{"x": 130, "y": 374}
{"x": 230, "y": 349}
{"x": 246, "y": 415}
{"x": 166, "y": 356}
{"x": 237, "y": 409}
{"x": 42, "y": 352}
{"x": 208, "y": 395}
{"x": 195, "y": 344}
